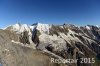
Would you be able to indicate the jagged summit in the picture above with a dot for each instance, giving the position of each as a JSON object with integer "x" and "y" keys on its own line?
{"x": 89, "y": 30}
{"x": 24, "y": 27}
{"x": 43, "y": 27}
{"x": 34, "y": 24}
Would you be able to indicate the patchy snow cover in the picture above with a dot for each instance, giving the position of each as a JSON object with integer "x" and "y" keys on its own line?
{"x": 87, "y": 27}
{"x": 70, "y": 37}
{"x": 26, "y": 45}
{"x": 55, "y": 41}
{"x": 20, "y": 28}
{"x": 58, "y": 42}
{"x": 15, "y": 27}
{"x": 97, "y": 26}
{"x": 24, "y": 27}
{"x": 43, "y": 28}
{"x": 89, "y": 40}
{"x": 32, "y": 27}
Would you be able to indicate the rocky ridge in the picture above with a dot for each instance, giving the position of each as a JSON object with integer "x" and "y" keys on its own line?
{"x": 60, "y": 41}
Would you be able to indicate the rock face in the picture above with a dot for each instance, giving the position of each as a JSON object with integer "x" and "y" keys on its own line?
{"x": 59, "y": 41}
{"x": 14, "y": 54}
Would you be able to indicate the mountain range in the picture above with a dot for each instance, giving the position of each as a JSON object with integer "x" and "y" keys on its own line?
{"x": 36, "y": 44}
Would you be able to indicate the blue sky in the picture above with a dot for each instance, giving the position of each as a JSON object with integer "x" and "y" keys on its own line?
{"x": 79, "y": 12}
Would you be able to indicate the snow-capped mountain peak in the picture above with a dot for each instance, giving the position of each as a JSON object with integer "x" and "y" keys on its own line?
{"x": 62, "y": 40}
{"x": 87, "y": 27}
{"x": 43, "y": 27}
{"x": 24, "y": 27}
{"x": 19, "y": 28}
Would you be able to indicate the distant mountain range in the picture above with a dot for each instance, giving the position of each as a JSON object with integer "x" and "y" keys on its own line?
{"x": 24, "y": 45}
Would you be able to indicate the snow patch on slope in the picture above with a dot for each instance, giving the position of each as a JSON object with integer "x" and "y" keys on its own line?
{"x": 70, "y": 37}
{"x": 43, "y": 28}
{"x": 20, "y": 28}
{"x": 55, "y": 41}
{"x": 87, "y": 27}
{"x": 89, "y": 40}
